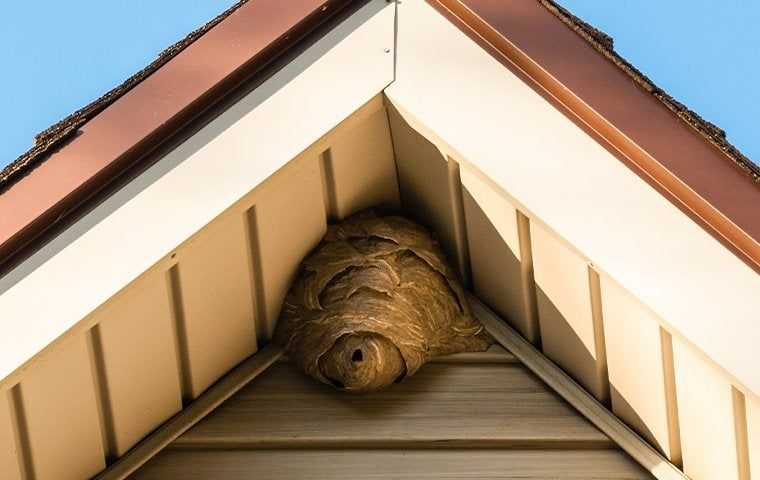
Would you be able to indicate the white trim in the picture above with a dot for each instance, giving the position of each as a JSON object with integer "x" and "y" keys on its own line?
{"x": 563, "y": 178}
{"x": 194, "y": 183}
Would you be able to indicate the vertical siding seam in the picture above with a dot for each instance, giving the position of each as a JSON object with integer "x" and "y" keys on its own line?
{"x": 102, "y": 393}
{"x": 600, "y": 343}
{"x": 741, "y": 433}
{"x": 389, "y": 129}
{"x": 251, "y": 259}
{"x": 329, "y": 194}
{"x": 458, "y": 220}
{"x": 671, "y": 397}
{"x": 24, "y": 452}
{"x": 530, "y": 303}
{"x": 182, "y": 347}
{"x": 6, "y": 402}
{"x": 388, "y": 107}
{"x": 263, "y": 332}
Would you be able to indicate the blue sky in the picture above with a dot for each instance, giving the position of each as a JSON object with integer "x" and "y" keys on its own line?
{"x": 59, "y": 56}
{"x": 706, "y": 53}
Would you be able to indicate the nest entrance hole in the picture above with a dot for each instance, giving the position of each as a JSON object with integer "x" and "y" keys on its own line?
{"x": 358, "y": 356}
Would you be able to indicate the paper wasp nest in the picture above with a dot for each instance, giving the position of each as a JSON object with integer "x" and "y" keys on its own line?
{"x": 373, "y": 303}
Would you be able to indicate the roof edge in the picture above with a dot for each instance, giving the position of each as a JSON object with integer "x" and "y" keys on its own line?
{"x": 78, "y": 160}
{"x": 604, "y": 44}
{"x": 679, "y": 155}
{"x": 56, "y": 134}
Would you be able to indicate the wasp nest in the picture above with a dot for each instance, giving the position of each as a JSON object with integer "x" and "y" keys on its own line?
{"x": 373, "y": 303}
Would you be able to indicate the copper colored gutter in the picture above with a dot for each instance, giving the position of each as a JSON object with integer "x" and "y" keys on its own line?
{"x": 127, "y": 130}
{"x": 628, "y": 120}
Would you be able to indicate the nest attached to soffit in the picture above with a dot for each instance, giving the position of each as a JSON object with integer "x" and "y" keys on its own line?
{"x": 373, "y": 303}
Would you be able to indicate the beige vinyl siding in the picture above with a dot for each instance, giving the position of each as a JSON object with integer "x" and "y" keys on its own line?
{"x": 135, "y": 337}
{"x": 58, "y": 400}
{"x": 359, "y": 168}
{"x": 287, "y": 220}
{"x": 568, "y": 326}
{"x": 706, "y": 416}
{"x": 214, "y": 300}
{"x": 753, "y": 433}
{"x": 635, "y": 363}
{"x": 425, "y": 181}
{"x": 10, "y": 467}
{"x": 500, "y": 275}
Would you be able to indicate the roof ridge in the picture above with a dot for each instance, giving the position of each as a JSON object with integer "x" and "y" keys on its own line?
{"x": 53, "y": 136}
{"x": 604, "y": 44}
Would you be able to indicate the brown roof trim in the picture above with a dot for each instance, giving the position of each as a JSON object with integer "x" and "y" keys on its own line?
{"x": 81, "y": 155}
{"x": 678, "y": 153}
{"x": 57, "y": 133}
{"x": 604, "y": 44}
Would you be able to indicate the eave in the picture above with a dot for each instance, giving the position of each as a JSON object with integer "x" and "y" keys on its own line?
{"x": 665, "y": 144}
{"x": 237, "y": 184}
{"x": 122, "y": 132}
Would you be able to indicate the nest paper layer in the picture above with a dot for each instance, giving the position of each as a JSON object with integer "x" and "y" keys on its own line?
{"x": 373, "y": 303}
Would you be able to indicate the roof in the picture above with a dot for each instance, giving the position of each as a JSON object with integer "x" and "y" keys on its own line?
{"x": 573, "y": 67}
{"x": 83, "y": 154}
{"x": 75, "y": 159}
{"x": 604, "y": 44}
{"x": 57, "y": 133}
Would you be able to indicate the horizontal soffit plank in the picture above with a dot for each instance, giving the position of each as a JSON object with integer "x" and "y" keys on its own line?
{"x": 392, "y": 464}
{"x": 499, "y": 404}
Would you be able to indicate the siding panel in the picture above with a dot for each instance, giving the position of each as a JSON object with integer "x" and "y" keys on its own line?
{"x": 564, "y": 310}
{"x": 423, "y": 178}
{"x": 635, "y": 365}
{"x": 139, "y": 361}
{"x": 705, "y": 410}
{"x": 9, "y": 467}
{"x": 59, "y": 404}
{"x": 753, "y": 432}
{"x": 363, "y": 165}
{"x": 289, "y": 221}
{"x": 217, "y": 300}
{"x": 493, "y": 237}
